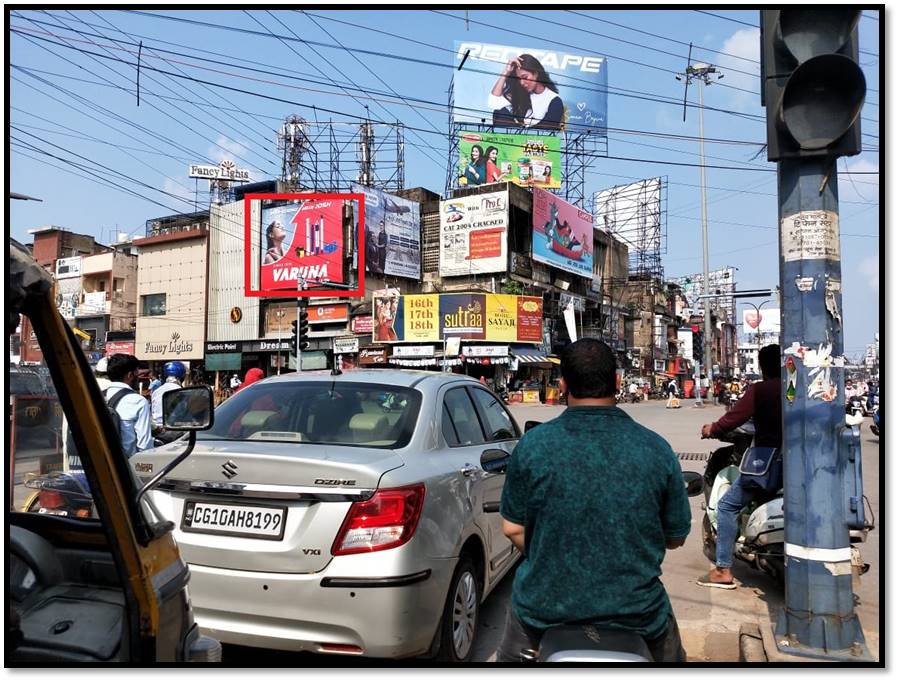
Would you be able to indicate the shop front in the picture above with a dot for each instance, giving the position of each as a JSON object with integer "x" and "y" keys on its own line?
{"x": 531, "y": 376}
{"x": 487, "y": 362}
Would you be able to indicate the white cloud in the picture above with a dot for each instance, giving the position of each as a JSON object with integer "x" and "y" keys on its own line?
{"x": 231, "y": 149}
{"x": 869, "y": 269}
{"x": 745, "y": 43}
{"x": 180, "y": 190}
{"x": 863, "y": 187}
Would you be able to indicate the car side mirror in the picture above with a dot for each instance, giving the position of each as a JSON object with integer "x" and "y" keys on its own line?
{"x": 188, "y": 408}
{"x": 494, "y": 460}
{"x": 531, "y": 424}
{"x": 694, "y": 482}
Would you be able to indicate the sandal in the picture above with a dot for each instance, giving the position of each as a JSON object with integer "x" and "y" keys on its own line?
{"x": 705, "y": 580}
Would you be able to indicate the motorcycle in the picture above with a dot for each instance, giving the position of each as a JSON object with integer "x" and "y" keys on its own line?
{"x": 761, "y": 540}
{"x": 876, "y": 426}
{"x": 59, "y": 493}
{"x": 855, "y": 405}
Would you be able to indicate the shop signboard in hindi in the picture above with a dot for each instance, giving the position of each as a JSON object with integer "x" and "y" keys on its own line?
{"x": 562, "y": 234}
{"x": 362, "y": 325}
{"x": 571, "y": 91}
{"x": 392, "y": 234}
{"x": 525, "y": 160}
{"x": 474, "y": 234}
{"x": 302, "y": 240}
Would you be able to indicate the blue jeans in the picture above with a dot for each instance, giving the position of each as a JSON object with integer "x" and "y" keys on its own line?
{"x": 740, "y": 495}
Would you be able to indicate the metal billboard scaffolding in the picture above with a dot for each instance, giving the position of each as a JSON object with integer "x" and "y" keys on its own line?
{"x": 372, "y": 154}
{"x": 636, "y": 214}
{"x": 579, "y": 149}
{"x": 721, "y": 282}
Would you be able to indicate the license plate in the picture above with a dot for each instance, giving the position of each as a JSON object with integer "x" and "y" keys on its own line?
{"x": 236, "y": 520}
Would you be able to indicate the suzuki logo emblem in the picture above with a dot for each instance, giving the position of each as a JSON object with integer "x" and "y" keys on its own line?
{"x": 229, "y": 469}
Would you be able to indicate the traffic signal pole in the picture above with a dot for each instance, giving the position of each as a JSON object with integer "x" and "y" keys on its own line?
{"x": 814, "y": 90}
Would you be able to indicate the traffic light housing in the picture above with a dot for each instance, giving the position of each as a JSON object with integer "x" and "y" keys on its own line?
{"x": 294, "y": 337}
{"x": 698, "y": 343}
{"x": 811, "y": 82}
{"x": 302, "y": 341}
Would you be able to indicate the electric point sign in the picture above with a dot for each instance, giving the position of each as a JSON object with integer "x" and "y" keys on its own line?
{"x": 300, "y": 242}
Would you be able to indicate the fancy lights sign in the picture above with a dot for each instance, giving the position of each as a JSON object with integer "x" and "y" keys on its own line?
{"x": 226, "y": 171}
{"x": 175, "y": 346}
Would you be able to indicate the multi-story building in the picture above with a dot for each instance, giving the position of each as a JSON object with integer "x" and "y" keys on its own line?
{"x": 172, "y": 290}
{"x": 108, "y": 301}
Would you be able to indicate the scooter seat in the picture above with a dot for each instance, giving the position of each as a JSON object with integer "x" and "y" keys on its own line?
{"x": 592, "y": 643}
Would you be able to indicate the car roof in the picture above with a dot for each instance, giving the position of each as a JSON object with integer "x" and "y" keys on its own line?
{"x": 396, "y": 377}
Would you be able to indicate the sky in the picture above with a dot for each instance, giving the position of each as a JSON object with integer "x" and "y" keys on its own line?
{"x": 76, "y": 125}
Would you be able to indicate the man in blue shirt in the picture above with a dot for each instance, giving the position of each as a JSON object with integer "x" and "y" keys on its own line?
{"x": 133, "y": 409}
{"x": 593, "y": 499}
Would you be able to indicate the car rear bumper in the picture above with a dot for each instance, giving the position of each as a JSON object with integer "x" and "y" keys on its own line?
{"x": 388, "y": 617}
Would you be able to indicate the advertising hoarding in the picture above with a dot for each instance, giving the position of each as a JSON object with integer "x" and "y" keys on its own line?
{"x": 68, "y": 267}
{"x": 562, "y": 234}
{"x": 302, "y": 240}
{"x": 768, "y": 321}
{"x": 539, "y": 88}
{"x": 470, "y": 316}
{"x": 474, "y": 234}
{"x": 525, "y": 160}
{"x": 362, "y": 325}
{"x": 325, "y": 314}
{"x": 68, "y": 295}
{"x": 392, "y": 234}
{"x": 722, "y": 280}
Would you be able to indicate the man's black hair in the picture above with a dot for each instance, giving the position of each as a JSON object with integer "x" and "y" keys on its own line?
{"x": 589, "y": 369}
{"x": 119, "y": 365}
{"x": 769, "y": 361}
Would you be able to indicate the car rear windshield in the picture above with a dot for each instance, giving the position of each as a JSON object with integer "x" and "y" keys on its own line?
{"x": 25, "y": 383}
{"x": 346, "y": 414}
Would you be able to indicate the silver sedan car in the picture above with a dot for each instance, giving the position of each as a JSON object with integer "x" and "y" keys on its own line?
{"x": 344, "y": 514}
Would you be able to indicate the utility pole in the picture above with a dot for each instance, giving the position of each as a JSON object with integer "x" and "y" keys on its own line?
{"x": 702, "y": 72}
{"x": 814, "y": 90}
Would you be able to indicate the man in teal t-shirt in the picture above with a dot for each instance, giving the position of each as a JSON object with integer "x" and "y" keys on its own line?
{"x": 593, "y": 499}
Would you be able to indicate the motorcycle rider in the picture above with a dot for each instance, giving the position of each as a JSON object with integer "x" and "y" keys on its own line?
{"x": 173, "y": 374}
{"x": 555, "y": 506}
{"x": 761, "y": 402}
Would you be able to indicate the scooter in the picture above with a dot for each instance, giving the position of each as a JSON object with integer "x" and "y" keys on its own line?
{"x": 876, "y": 426}
{"x": 59, "y": 493}
{"x": 761, "y": 540}
{"x": 855, "y": 405}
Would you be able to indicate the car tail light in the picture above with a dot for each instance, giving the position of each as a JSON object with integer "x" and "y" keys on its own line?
{"x": 346, "y": 649}
{"x": 50, "y": 498}
{"x": 385, "y": 521}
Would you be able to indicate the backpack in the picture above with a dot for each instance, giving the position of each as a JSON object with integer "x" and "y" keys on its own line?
{"x": 112, "y": 405}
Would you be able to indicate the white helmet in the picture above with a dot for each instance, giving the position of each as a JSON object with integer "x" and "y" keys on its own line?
{"x": 101, "y": 366}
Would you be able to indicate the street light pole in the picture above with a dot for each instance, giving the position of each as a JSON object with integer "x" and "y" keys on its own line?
{"x": 703, "y": 73}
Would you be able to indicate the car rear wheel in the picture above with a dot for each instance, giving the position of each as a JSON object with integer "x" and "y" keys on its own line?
{"x": 461, "y": 614}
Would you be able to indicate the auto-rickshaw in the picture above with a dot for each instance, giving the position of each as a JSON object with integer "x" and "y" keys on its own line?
{"x": 108, "y": 586}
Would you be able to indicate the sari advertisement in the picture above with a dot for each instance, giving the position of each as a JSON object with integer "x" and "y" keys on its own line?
{"x": 562, "y": 234}
{"x": 428, "y": 318}
{"x": 302, "y": 240}
{"x": 529, "y": 88}
{"x": 525, "y": 160}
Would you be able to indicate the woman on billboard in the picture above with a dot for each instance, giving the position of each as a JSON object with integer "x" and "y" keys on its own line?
{"x": 274, "y": 249}
{"x": 493, "y": 173}
{"x": 476, "y": 169}
{"x": 525, "y": 96}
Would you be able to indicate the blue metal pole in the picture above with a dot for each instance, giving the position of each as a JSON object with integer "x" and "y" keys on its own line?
{"x": 822, "y": 497}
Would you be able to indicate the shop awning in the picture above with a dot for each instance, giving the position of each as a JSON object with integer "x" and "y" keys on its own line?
{"x": 528, "y": 354}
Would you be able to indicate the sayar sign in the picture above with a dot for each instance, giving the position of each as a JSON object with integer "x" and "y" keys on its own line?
{"x": 530, "y": 87}
{"x": 562, "y": 234}
{"x": 470, "y": 316}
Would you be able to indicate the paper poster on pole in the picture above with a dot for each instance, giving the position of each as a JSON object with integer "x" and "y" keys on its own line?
{"x": 811, "y": 235}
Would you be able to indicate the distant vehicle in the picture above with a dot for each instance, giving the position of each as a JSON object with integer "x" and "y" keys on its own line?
{"x": 344, "y": 514}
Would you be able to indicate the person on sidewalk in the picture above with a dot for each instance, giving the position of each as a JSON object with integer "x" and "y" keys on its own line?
{"x": 763, "y": 403}
{"x": 133, "y": 409}
{"x": 569, "y": 481}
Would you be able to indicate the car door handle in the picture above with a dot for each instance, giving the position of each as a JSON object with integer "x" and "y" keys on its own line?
{"x": 469, "y": 469}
